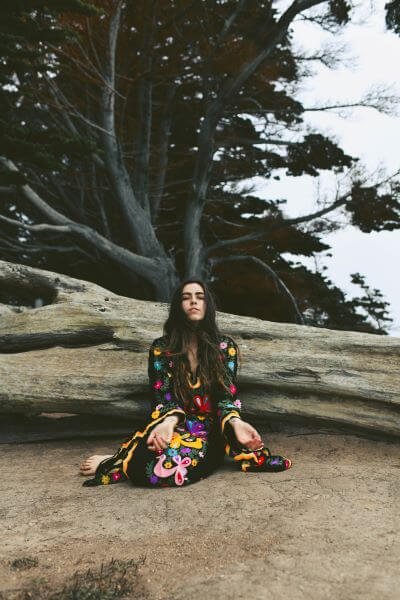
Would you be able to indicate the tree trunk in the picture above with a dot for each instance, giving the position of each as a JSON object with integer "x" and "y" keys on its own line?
{"x": 85, "y": 351}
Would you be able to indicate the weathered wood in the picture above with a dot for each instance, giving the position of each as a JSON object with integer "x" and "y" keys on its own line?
{"x": 85, "y": 352}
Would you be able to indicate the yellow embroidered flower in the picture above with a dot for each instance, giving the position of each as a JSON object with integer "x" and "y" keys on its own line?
{"x": 156, "y": 351}
{"x": 231, "y": 351}
{"x": 182, "y": 440}
{"x": 168, "y": 465}
{"x": 245, "y": 465}
{"x": 155, "y": 414}
{"x": 194, "y": 462}
{"x": 105, "y": 480}
{"x": 200, "y": 417}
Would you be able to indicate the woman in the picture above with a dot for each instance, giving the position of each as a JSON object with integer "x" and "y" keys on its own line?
{"x": 195, "y": 408}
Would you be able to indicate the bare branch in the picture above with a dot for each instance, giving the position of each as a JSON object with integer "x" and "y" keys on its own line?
{"x": 230, "y": 21}
{"x": 144, "y": 121}
{"x": 203, "y": 167}
{"x": 281, "y": 286}
{"x": 165, "y": 130}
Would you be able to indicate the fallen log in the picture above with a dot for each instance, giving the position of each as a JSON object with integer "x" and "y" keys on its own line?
{"x": 70, "y": 346}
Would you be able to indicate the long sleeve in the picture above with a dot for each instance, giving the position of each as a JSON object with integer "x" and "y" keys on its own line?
{"x": 228, "y": 403}
{"x": 160, "y": 371}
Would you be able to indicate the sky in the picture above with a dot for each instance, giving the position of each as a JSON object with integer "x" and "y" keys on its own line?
{"x": 371, "y": 58}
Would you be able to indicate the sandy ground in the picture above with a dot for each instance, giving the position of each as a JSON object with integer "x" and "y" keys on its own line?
{"x": 327, "y": 528}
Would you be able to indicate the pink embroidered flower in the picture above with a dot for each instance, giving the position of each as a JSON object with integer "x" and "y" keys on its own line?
{"x": 159, "y": 406}
{"x": 170, "y": 364}
{"x": 157, "y": 385}
{"x": 116, "y": 476}
{"x": 233, "y": 389}
{"x": 223, "y": 345}
{"x": 238, "y": 403}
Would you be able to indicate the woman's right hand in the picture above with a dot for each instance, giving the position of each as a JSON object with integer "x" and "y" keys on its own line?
{"x": 161, "y": 435}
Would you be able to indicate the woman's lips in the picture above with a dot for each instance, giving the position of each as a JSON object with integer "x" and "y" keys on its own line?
{"x": 194, "y": 309}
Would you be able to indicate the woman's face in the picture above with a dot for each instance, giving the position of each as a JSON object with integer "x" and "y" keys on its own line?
{"x": 193, "y": 302}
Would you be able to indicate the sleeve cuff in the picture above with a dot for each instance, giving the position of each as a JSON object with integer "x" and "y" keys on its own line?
{"x": 228, "y": 417}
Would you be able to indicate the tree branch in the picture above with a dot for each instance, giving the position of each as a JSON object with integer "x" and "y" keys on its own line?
{"x": 281, "y": 286}
{"x": 203, "y": 167}
{"x": 163, "y": 145}
{"x": 144, "y": 121}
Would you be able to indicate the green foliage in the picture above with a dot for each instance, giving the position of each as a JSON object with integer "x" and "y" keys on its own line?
{"x": 372, "y": 303}
{"x": 316, "y": 153}
{"x": 27, "y": 28}
{"x": 393, "y": 16}
{"x": 340, "y": 11}
{"x": 260, "y": 133}
{"x": 372, "y": 211}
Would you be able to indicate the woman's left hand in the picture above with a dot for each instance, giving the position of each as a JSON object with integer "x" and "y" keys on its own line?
{"x": 245, "y": 434}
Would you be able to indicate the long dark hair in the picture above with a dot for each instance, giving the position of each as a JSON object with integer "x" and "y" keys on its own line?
{"x": 179, "y": 329}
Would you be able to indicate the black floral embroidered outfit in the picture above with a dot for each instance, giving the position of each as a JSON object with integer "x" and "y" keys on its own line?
{"x": 200, "y": 440}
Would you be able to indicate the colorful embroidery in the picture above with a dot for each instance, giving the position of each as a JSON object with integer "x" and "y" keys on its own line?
{"x": 189, "y": 453}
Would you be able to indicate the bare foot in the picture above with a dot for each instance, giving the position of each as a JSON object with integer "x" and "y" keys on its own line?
{"x": 89, "y": 465}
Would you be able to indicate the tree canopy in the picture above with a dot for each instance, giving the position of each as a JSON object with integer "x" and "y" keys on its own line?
{"x": 128, "y": 128}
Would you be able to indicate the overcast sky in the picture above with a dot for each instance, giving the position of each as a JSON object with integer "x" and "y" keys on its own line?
{"x": 371, "y": 58}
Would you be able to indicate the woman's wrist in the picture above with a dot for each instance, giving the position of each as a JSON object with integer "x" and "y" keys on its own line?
{"x": 173, "y": 419}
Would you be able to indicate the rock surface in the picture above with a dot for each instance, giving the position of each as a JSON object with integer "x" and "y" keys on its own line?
{"x": 84, "y": 351}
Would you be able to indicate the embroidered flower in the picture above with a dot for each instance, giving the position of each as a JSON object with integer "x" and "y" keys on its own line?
{"x": 172, "y": 452}
{"x": 238, "y": 403}
{"x": 194, "y": 462}
{"x": 232, "y": 389}
{"x": 116, "y": 476}
{"x": 185, "y": 450}
{"x": 170, "y": 364}
{"x": 223, "y": 345}
{"x": 105, "y": 479}
{"x": 159, "y": 406}
{"x": 168, "y": 353}
{"x": 153, "y": 479}
{"x": 157, "y": 385}
{"x": 168, "y": 396}
{"x": 156, "y": 351}
{"x": 231, "y": 365}
{"x": 157, "y": 365}
{"x": 155, "y": 414}
{"x": 201, "y": 454}
{"x": 232, "y": 351}
{"x": 168, "y": 464}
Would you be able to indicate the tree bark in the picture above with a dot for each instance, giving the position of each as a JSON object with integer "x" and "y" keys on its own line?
{"x": 85, "y": 352}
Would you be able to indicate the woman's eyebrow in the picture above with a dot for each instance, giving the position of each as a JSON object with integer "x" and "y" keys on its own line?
{"x": 190, "y": 294}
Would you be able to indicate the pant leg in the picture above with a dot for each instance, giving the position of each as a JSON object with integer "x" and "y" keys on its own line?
{"x": 253, "y": 460}
{"x": 188, "y": 458}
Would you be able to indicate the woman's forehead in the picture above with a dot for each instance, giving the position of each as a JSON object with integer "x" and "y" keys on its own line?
{"x": 192, "y": 288}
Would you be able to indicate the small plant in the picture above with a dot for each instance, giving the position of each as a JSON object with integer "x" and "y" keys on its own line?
{"x": 113, "y": 580}
{"x": 23, "y": 563}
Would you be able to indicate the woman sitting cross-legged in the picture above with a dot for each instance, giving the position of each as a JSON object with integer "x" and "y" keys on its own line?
{"x": 196, "y": 412}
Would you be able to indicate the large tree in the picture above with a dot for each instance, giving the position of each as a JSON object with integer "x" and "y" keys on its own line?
{"x": 151, "y": 113}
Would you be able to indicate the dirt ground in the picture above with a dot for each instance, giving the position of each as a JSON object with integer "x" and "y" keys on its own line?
{"x": 327, "y": 528}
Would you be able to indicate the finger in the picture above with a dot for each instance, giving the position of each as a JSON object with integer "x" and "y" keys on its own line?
{"x": 161, "y": 443}
{"x": 157, "y": 444}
